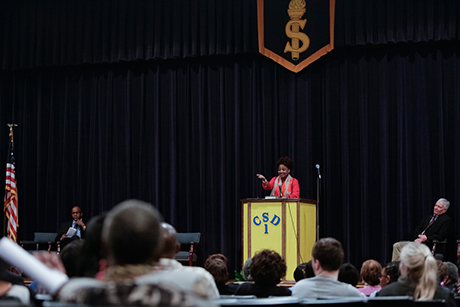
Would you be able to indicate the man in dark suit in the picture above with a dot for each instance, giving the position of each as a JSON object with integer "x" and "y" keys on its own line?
{"x": 77, "y": 223}
{"x": 436, "y": 226}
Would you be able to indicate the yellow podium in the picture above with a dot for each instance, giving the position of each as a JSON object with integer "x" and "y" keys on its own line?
{"x": 287, "y": 226}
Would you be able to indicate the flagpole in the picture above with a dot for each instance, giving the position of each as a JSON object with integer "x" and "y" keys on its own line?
{"x": 5, "y": 222}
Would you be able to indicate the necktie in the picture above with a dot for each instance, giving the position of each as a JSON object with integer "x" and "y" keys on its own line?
{"x": 430, "y": 223}
{"x": 77, "y": 227}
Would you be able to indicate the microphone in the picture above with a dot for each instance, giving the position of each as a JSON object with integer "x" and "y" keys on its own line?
{"x": 279, "y": 185}
{"x": 319, "y": 174}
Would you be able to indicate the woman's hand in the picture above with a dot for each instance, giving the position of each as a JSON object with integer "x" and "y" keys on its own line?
{"x": 262, "y": 177}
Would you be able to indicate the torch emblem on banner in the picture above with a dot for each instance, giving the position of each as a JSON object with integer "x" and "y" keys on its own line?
{"x": 293, "y": 26}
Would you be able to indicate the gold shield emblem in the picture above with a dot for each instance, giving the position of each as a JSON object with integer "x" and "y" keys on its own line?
{"x": 308, "y": 31}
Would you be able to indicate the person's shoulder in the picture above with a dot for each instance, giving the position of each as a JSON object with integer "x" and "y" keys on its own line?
{"x": 282, "y": 291}
{"x": 445, "y": 216}
{"x": 352, "y": 290}
{"x": 302, "y": 284}
{"x": 243, "y": 288}
{"x": 304, "y": 281}
{"x": 391, "y": 289}
{"x": 442, "y": 292}
{"x": 75, "y": 286}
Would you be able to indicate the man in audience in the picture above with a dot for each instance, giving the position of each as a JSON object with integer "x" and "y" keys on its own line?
{"x": 188, "y": 276}
{"x": 76, "y": 223}
{"x": 436, "y": 226}
{"x": 131, "y": 237}
{"x": 451, "y": 278}
{"x": 327, "y": 257}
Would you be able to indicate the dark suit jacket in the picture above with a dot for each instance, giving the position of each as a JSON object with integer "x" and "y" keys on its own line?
{"x": 63, "y": 229}
{"x": 438, "y": 230}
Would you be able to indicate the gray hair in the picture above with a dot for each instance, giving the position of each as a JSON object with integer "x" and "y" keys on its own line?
{"x": 452, "y": 271}
{"x": 445, "y": 202}
{"x": 246, "y": 269}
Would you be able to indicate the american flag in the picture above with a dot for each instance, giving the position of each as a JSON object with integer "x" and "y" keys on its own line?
{"x": 11, "y": 197}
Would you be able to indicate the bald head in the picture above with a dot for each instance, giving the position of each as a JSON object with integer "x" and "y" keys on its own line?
{"x": 131, "y": 233}
{"x": 170, "y": 244}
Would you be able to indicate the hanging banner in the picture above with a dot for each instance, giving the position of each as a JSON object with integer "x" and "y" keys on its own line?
{"x": 295, "y": 33}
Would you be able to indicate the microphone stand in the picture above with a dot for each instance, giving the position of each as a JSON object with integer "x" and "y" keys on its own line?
{"x": 318, "y": 191}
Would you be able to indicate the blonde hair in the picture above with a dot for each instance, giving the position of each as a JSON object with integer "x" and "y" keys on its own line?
{"x": 421, "y": 270}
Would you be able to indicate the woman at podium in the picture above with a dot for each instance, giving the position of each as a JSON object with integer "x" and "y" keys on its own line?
{"x": 284, "y": 185}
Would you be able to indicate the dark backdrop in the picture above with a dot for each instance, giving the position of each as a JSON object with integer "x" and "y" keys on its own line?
{"x": 169, "y": 102}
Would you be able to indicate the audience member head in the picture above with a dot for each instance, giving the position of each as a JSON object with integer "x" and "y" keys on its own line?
{"x": 217, "y": 265}
{"x": 170, "y": 244}
{"x": 92, "y": 247}
{"x": 441, "y": 270}
{"x": 303, "y": 270}
{"x": 451, "y": 273}
{"x": 247, "y": 269}
{"x": 419, "y": 267}
{"x": 390, "y": 273}
{"x": 441, "y": 206}
{"x": 349, "y": 274}
{"x": 370, "y": 272}
{"x": 329, "y": 253}
{"x": 71, "y": 257}
{"x": 267, "y": 268}
{"x": 132, "y": 233}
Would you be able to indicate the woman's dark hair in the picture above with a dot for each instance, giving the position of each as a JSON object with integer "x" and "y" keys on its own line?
{"x": 71, "y": 257}
{"x": 349, "y": 274}
{"x": 92, "y": 249}
{"x": 267, "y": 268}
{"x": 217, "y": 265}
{"x": 286, "y": 161}
{"x": 303, "y": 270}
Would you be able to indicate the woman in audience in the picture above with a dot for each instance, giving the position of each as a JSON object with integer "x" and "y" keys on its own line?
{"x": 348, "y": 274}
{"x": 418, "y": 276}
{"x": 217, "y": 265}
{"x": 303, "y": 270}
{"x": 390, "y": 273}
{"x": 370, "y": 273}
{"x": 267, "y": 269}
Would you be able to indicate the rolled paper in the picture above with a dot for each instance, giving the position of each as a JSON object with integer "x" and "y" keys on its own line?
{"x": 12, "y": 253}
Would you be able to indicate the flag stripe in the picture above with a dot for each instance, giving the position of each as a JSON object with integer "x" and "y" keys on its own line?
{"x": 10, "y": 205}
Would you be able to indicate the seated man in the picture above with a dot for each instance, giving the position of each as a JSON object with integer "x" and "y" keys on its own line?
{"x": 77, "y": 223}
{"x": 327, "y": 257}
{"x": 436, "y": 226}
